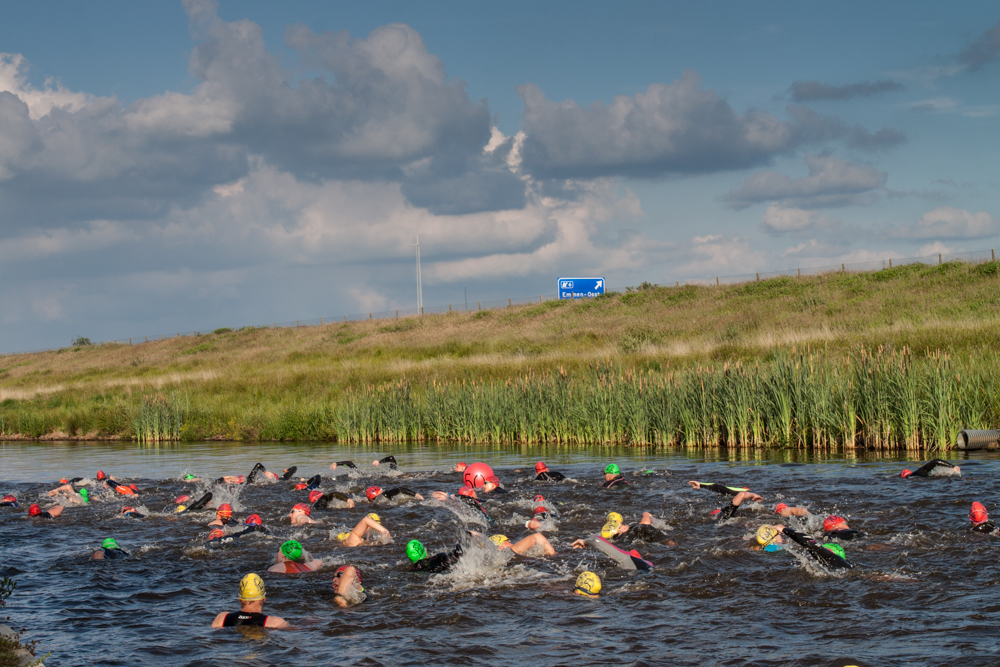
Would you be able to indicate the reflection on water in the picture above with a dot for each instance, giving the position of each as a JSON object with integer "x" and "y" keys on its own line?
{"x": 923, "y": 594}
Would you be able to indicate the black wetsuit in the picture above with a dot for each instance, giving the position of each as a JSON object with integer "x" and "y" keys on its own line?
{"x": 925, "y": 469}
{"x": 392, "y": 494}
{"x": 616, "y": 482}
{"x": 244, "y": 618}
{"x": 226, "y": 539}
{"x": 986, "y": 527}
{"x": 347, "y": 464}
{"x": 549, "y": 476}
{"x": 389, "y": 461}
{"x": 9, "y": 503}
{"x": 135, "y": 515}
{"x": 43, "y": 515}
{"x": 442, "y": 562}
{"x": 288, "y": 473}
{"x": 314, "y": 482}
{"x": 116, "y": 553}
{"x": 639, "y": 531}
{"x": 817, "y": 552}
{"x": 259, "y": 467}
{"x": 729, "y": 511}
{"x": 200, "y": 503}
{"x": 844, "y": 535}
{"x": 476, "y": 505}
{"x": 323, "y": 502}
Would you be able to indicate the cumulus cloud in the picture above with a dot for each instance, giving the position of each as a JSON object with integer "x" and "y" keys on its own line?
{"x": 984, "y": 49}
{"x": 946, "y": 222}
{"x": 811, "y": 91}
{"x": 831, "y": 182}
{"x": 781, "y": 220}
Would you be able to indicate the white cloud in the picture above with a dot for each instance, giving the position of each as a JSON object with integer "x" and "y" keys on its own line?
{"x": 831, "y": 182}
{"x": 41, "y": 102}
{"x": 781, "y": 220}
{"x": 946, "y": 222}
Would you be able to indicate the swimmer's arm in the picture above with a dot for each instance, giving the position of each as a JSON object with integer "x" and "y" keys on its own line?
{"x": 718, "y": 488}
{"x": 579, "y": 544}
{"x": 221, "y": 618}
{"x": 274, "y": 622}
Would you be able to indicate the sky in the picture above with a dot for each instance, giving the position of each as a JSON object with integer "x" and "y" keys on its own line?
{"x": 179, "y": 166}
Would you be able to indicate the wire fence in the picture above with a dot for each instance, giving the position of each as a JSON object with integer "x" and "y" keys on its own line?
{"x": 975, "y": 257}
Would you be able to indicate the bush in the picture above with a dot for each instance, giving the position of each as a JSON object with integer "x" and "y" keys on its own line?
{"x": 222, "y": 330}
{"x": 80, "y": 341}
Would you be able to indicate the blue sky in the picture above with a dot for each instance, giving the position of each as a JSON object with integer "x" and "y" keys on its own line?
{"x": 177, "y": 166}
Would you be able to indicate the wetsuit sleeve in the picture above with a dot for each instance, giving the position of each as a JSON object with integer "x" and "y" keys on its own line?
{"x": 392, "y": 493}
{"x": 825, "y": 556}
{"x": 557, "y": 476}
{"x": 390, "y": 461}
{"x": 719, "y": 488}
{"x": 348, "y": 464}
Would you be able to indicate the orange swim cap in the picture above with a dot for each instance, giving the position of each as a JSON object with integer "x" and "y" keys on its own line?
{"x": 831, "y": 522}
{"x": 225, "y": 511}
{"x": 305, "y": 508}
{"x": 978, "y": 513}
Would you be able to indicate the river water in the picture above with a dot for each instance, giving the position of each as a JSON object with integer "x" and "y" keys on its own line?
{"x": 924, "y": 592}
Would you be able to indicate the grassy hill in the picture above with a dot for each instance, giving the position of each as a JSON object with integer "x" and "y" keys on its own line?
{"x": 425, "y": 377}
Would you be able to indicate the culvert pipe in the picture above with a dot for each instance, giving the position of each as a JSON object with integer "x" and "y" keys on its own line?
{"x": 978, "y": 439}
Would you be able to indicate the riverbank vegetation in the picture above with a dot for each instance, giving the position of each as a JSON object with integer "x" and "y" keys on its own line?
{"x": 899, "y": 358}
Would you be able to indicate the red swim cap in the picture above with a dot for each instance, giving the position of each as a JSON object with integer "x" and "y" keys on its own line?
{"x": 340, "y": 570}
{"x": 539, "y": 498}
{"x": 64, "y": 481}
{"x": 372, "y": 492}
{"x": 634, "y": 553}
{"x": 494, "y": 480}
{"x": 540, "y": 467}
{"x": 460, "y": 466}
{"x": 714, "y": 512}
{"x": 300, "y": 486}
{"x": 978, "y": 513}
{"x": 540, "y": 510}
{"x": 34, "y": 510}
{"x": 100, "y": 475}
{"x": 180, "y": 499}
{"x": 831, "y": 522}
{"x": 253, "y": 520}
{"x": 133, "y": 487}
{"x": 224, "y": 510}
{"x": 305, "y": 508}
{"x": 780, "y": 507}
{"x": 218, "y": 532}
{"x": 240, "y": 479}
{"x": 467, "y": 491}
{"x": 127, "y": 509}
{"x": 315, "y": 495}
{"x": 9, "y": 499}
{"x": 905, "y": 474}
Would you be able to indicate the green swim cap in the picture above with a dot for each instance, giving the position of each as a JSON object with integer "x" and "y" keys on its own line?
{"x": 188, "y": 476}
{"x": 837, "y": 549}
{"x": 415, "y": 551}
{"x": 612, "y": 469}
{"x": 110, "y": 544}
{"x": 292, "y": 550}
{"x": 85, "y": 495}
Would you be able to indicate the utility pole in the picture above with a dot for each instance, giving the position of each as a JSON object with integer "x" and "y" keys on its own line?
{"x": 420, "y": 290}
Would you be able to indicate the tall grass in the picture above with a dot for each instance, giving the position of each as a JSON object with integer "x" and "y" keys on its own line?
{"x": 158, "y": 418}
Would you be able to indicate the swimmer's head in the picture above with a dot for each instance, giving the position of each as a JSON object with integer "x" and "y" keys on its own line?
{"x": 906, "y": 473}
{"x": 540, "y": 467}
{"x": 300, "y": 486}
{"x": 612, "y": 469}
{"x": 461, "y": 466}
{"x": 374, "y": 517}
{"x": 34, "y": 510}
{"x": 182, "y": 498}
{"x": 540, "y": 510}
{"x": 292, "y": 550}
{"x": 110, "y": 543}
{"x": 216, "y": 532}
{"x": 467, "y": 491}
{"x": 8, "y": 498}
{"x": 100, "y": 475}
{"x": 301, "y": 507}
{"x": 127, "y": 510}
{"x": 615, "y": 517}
{"x": 253, "y": 520}
{"x": 609, "y": 530}
{"x": 85, "y": 494}
{"x": 225, "y": 511}
{"x": 834, "y": 522}
{"x": 240, "y": 479}
{"x": 494, "y": 480}
{"x": 978, "y": 513}
{"x": 180, "y": 508}
{"x": 780, "y": 507}
{"x": 837, "y": 549}
{"x": 587, "y": 583}
{"x": 539, "y": 498}
{"x": 251, "y": 588}
{"x": 766, "y": 534}
{"x": 499, "y": 539}
{"x": 415, "y": 551}
{"x": 188, "y": 477}
{"x": 342, "y": 536}
{"x": 340, "y": 573}
{"x": 315, "y": 495}
{"x": 372, "y": 492}
{"x": 64, "y": 481}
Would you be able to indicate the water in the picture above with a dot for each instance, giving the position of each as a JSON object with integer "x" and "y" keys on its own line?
{"x": 924, "y": 592}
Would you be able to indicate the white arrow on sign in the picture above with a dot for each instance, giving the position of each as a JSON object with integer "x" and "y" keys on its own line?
{"x": 599, "y": 284}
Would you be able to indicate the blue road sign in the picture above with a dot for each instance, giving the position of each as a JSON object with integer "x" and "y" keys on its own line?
{"x": 578, "y": 288}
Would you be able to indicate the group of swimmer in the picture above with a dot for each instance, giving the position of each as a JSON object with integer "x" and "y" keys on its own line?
{"x": 479, "y": 483}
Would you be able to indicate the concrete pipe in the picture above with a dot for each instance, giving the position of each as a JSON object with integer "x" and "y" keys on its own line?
{"x": 986, "y": 439}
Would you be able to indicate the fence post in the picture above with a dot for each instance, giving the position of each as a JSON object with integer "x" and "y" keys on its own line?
{"x": 939, "y": 259}
{"x": 145, "y": 339}
{"x": 716, "y": 281}
{"x": 161, "y": 336}
{"x": 758, "y": 276}
{"x": 842, "y": 269}
{"x": 321, "y": 321}
{"x": 129, "y": 340}
{"x": 397, "y": 313}
{"x": 369, "y": 315}
{"x": 178, "y": 334}
{"x": 993, "y": 255}
{"x": 480, "y": 306}
{"x": 345, "y": 319}
{"x": 449, "y": 307}
{"x": 890, "y": 261}
{"x": 800, "y": 272}
{"x": 421, "y": 310}
{"x": 508, "y": 302}
{"x": 539, "y": 298}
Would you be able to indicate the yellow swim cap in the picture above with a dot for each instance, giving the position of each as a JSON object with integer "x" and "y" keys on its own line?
{"x": 374, "y": 517}
{"x": 499, "y": 539}
{"x": 588, "y": 583}
{"x": 251, "y": 588}
{"x": 342, "y": 536}
{"x": 616, "y": 517}
{"x": 766, "y": 535}
{"x": 610, "y": 529}
{"x": 180, "y": 508}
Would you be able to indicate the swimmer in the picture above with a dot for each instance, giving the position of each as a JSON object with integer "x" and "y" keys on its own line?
{"x": 252, "y": 597}
{"x": 388, "y": 461}
{"x": 836, "y": 527}
{"x": 493, "y": 484}
{"x": 293, "y": 559}
{"x": 323, "y": 500}
{"x": 287, "y": 473}
{"x": 189, "y": 478}
{"x": 300, "y": 515}
{"x": 768, "y": 538}
{"x": 312, "y": 483}
{"x": 346, "y": 464}
{"x": 252, "y": 524}
{"x": 196, "y": 505}
{"x": 613, "y": 479}
{"x": 622, "y": 533}
{"x": 535, "y": 522}
{"x": 400, "y": 494}
{"x": 933, "y": 468}
{"x": 467, "y": 495}
{"x": 347, "y": 584}
{"x": 35, "y": 512}
{"x": 543, "y": 474}
{"x": 121, "y": 489}
{"x": 132, "y": 513}
{"x": 461, "y": 466}
{"x": 110, "y": 549}
{"x": 356, "y": 537}
{"x": 781, "y": 509}
{"x": 423, "y": 562}
{"x": 231, "y": 479}
{"x": 587, "y": 584}
{"x": 523, "y": 545}
{"x": 223, "y": 516}
{"x": 739, "y": 494}
{"x": 259, "y": 469}
{"x": 72, "y": 495}
{"x": 9, "y": 501}
{"x": 831, "y": 555}
{"x": 981, "y": 520}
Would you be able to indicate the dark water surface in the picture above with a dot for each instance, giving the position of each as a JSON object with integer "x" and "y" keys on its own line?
{"x": 924, "y": 594}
